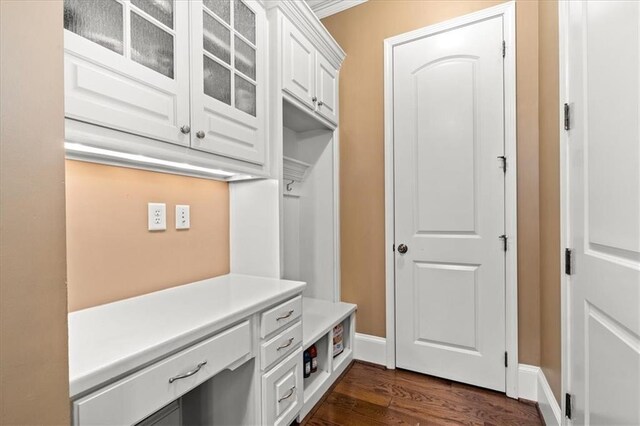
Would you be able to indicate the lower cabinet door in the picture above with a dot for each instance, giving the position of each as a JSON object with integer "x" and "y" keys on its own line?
{"x": 282, "y": 391}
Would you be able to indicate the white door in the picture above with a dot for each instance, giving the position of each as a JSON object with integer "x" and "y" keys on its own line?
{"x": 127, "y": 66}
{"x": 228, "y": 78}
{"x": 448, "y": 133}
{"x": 298, "y": 68}
{"x": 326, "y": 89}
{"x": 603, "y": 171}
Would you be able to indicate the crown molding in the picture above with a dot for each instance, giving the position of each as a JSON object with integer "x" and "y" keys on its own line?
{"x": 324, "y": 8}
{"x": 301, "y": 15}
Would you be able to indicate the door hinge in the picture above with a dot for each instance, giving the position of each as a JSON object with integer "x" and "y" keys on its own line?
{"x": 568, "y": 260}
{"x": 504, "y": 48}
{"x": 394, "y": 247}
{"x": 506, "y": 360}
{"x": 568, "y": 401}
{"x": 567, "y": 117}
{"x": 503, "y": 159}
{"x": 504, "y": 241}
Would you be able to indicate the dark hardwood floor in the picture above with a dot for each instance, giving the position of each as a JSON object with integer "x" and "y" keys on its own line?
{"x": 370, "y": 395}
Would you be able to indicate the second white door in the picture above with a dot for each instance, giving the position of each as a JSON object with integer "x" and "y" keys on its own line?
{"x": 448, "y": 134}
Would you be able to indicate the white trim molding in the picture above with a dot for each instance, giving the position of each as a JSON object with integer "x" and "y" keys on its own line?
{"x": 565, "y": 236}
{"x": 533, "y": 386}
{"x": 371, "y": 349}
{"x": 508, "y": 12}
{"x": 324, "y": 8}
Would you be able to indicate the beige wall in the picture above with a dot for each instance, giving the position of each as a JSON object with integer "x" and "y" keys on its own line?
{"x": 33, "y": 294}
{"x": 112, "y": 255}
{"x": 360, "y": 31}
{"x": 550, "y": 344}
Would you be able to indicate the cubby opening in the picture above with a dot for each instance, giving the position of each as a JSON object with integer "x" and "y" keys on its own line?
{"x": 347, "y": 351}
{"x": 313, "y": 382}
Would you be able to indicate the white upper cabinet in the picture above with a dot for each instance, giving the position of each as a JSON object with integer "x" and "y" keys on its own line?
{"x": 307, "y": 75}
{"x": 228, "y": 74}
{"x": 191, "y": 73}
{"x": 326, "y": 89}
{"x": 298, "y": 70}
{"x": 127, "y": 66}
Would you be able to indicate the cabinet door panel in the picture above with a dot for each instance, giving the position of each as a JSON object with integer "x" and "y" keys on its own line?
{"x": 126, "y": 69}
{"x": 298, "y": 69}
{"x": 228, "y": 74}
{"x": 326, "y": 89}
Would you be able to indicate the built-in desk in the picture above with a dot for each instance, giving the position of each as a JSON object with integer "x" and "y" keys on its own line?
{"x": 130, "y": 358}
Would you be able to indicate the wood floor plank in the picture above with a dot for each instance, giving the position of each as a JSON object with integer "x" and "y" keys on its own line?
{"x": 371, "y": 395}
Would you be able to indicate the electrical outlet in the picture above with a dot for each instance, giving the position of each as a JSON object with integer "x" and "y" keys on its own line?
{"x": 157, "y": 216}
{"x": 183, "y": 220}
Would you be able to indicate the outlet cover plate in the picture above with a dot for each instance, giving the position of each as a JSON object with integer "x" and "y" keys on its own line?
{"x": 157, "y": 216}
{"x": 183, "y": 219}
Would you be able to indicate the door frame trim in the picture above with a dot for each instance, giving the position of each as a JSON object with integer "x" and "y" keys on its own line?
{"x": 508, "y": 12}
{"x": 565, "y": 229}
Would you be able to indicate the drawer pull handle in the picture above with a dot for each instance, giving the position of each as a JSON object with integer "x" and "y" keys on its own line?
{"x": 287, "y": 396}
{"x": 188, "y": 373}
{"x": 286, "y": 345}
{"x": 285, "y": 316}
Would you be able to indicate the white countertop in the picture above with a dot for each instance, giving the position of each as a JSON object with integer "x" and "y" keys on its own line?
{"x": 108, "y": 341}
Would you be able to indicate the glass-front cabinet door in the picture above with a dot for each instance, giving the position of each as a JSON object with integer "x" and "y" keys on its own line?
{"x": 127, "y": 66}
{"x": 228, "y": 70}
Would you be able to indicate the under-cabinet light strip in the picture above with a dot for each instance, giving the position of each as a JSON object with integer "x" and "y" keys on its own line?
{"x": 76, "y": 147}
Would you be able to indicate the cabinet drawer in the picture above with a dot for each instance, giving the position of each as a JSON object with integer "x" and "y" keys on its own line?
{"x": 276, "y": 318}
{"x": 281, "y": 345}
{"x": 282, "y": 390}
{"x": 137, "y": 396}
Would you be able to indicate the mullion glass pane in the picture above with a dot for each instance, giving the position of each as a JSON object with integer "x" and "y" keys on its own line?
{"x": 97, "y": 20}
{"x": 162, "y": 10}
{"x": 217, "y": 38}
{"x": 245, "y": 59}
{"x": 151, "y": 46}
{"x": 244, "y": 21}
{"x": 222, "y": 9}
{"x": 217, "y": 80}
{"x": 245, "y": 95}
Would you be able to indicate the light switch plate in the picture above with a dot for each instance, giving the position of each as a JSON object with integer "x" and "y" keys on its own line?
{"x": 157, "y": 216}
{"x": 183, "y": 219}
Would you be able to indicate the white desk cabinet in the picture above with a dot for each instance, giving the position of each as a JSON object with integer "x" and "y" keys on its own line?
{"x": 200, "y": 344}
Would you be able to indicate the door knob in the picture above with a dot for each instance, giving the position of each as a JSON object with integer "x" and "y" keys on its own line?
{"x": 185, "y": 129}
{"x": 402, "y": 248}
{"x": 314, "y": 99}
{"x": 320, "y": 103}
{"x": 200, "y": 134}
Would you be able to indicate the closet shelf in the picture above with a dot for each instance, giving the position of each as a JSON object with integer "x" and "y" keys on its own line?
{"x": 295, "y": 170}
{"x": 320, "y": 316}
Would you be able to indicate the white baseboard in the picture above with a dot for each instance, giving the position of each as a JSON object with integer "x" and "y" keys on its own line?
{"x": 547, "y": 402}
{"x": 528, "y": 382}
{"x": 533, "y": 385}
{"x": 370, "y": 349}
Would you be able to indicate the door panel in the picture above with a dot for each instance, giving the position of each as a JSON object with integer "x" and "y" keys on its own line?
{"x": 326, "y": 89}
{"x": 127, "y": 68}
{"x": 228, "y": 79}
{"x": 604, "y": 212}
{"x": 446, "y": 184}
{"x": 298, "y": 69}
{"x": 449, "y": 204}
